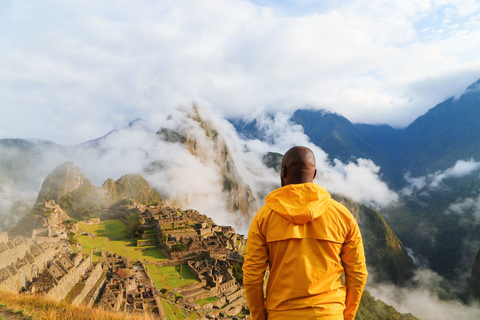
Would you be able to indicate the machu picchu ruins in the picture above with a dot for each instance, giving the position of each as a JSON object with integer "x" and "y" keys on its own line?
{"x": 54, "y": 264}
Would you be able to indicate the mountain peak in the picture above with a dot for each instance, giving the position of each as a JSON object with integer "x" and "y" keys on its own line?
{"x": 194, "y": 128}
{"x": 474, "y": 86}
{"x": 63, "y": 179}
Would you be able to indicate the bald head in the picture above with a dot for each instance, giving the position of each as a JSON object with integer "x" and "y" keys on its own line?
{"x": 298, "y": 166}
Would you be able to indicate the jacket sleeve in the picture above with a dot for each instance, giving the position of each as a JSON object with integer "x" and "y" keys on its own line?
{"x": 254, "y": 266}
{"x": 353, "y": 259}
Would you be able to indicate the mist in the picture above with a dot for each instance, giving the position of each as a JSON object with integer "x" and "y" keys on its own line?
{"x": 348, "y": 179}
{"x": 421, "y": 298}
{"x": 434, "y": 181}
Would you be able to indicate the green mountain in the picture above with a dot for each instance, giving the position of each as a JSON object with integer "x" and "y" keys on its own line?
{"x": 131, "y": 186}
{"x": 433, "y": 143}
{"x": 386, "y": 256}
{"x": 373, "y": 309}
{"x": 446, "y": 133}
{"x": 67, "y": 192}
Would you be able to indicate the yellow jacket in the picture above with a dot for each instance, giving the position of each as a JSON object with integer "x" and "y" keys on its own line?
{"x": 308, "y": 240}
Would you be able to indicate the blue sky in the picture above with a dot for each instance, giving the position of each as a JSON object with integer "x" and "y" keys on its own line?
{"x": 72, "y": 71}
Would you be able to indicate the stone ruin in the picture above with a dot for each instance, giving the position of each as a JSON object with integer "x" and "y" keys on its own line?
{"x": 129, "y": 287}
{"x": 23, "y": 259}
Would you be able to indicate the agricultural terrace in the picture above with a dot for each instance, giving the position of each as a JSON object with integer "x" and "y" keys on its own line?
{"x": 172, "y": 311}
{"x": 112, "y": 236}
{"x": 168, "y": 277}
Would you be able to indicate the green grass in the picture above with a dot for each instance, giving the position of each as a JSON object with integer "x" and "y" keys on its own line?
{"x": 205, "y": 301}
{"x": 169, "y": 277}
{"x": 76, "y": 290}
{"x": 173, "y": 312}
{"x": 120, "y": 242}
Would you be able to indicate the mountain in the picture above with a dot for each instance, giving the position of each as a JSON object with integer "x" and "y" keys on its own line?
{"x": 386, "y": 256}
{"x": 131, "y": 186}
{"x": 342, "y": 140}
{"x": 437, "y": 216}
{"x": 62, "y": 180}
{"x": 434, "y": 141}
{"x": 446, "y": 133}
{"x": 66, "y": 193}
{"x": 199, "y": 135}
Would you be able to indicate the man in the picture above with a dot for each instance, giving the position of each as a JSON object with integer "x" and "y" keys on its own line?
{"x": 308, "y": 240}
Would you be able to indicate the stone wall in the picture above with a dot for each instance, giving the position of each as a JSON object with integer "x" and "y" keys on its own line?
{"x": 3, "y": 237}
{"x": 90, "y": 282}
{"x": 146, "y": 243}
{"x": 22, "y": 261}
{"x": 189, "y": 287}
{"x": 13, "y": 251}
{"x": 234, "y": 296}
{"x": 92, "y": 296}
{"x": 228, "y": 286}
{"x": 66, "y": 283}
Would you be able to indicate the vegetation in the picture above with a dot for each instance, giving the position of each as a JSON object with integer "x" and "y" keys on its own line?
{"x": 424, "y": 222}
{"x": 238, "y": 273}
{"x": 82, "y": 203}
{"x": 372, "y": 309}
{"x": 383, "y": 250}
{"x": 179, "y": 247}
{"x": 168, "y": 277}
{"x": 39, "y": 308}
{"x": 205, "y": 301}
{"x": 111, "y": 235}
{"x": 134, "y": 187}
{"x": 172, "y": 311}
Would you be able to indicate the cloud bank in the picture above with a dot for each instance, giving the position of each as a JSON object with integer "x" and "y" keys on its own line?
{"x": 434, "y": 181}
{"x": 74, "y": 70}
{"x": 422, "y": 299}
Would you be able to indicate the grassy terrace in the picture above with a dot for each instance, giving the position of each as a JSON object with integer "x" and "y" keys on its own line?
{"x": 205, "y": 301}
{"x": 169, "y": 277}
{"x": 111, "y": 235}
{"x": 173, "y": 312}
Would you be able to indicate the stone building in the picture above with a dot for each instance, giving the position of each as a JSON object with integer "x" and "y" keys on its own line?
{"x": 23, "y": 259}
{"x": 129, "y": 287}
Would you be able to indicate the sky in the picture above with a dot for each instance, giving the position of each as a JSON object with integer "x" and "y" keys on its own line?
{"x": 72, "y": 71}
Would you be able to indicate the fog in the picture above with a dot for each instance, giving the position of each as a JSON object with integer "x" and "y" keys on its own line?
{"x": 434, "y": 180}
{"x": 421, "y": 298}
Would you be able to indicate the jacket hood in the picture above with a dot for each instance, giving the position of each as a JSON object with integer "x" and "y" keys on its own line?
{"x": 299, "y": 203}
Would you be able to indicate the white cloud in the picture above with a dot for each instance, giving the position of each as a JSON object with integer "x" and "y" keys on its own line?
{"x": 75, "y": 70}
{"x": 434, "y": 181}
{"x": 357, "y": 180}
{"x": 422, "y": 299}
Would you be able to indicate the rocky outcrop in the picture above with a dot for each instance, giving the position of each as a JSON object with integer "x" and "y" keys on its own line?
{"x": 198, "y": 134}
{"x": 131, "y": 186}
{"x": 62, "y": 180}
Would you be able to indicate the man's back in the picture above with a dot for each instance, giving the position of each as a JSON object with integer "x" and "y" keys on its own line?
{"x": 308, "y": 240}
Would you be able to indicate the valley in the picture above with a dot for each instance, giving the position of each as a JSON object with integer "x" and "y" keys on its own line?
{"x": 108, "y": 239}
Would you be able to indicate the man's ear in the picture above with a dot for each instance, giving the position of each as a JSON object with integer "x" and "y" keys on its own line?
{"x": 314, "y": 174}
{"x": 284, "y": 171}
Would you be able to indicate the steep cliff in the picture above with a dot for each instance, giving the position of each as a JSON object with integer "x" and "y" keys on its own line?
{"x": 387, "y": 259}
{"x": 193, "y": 128}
